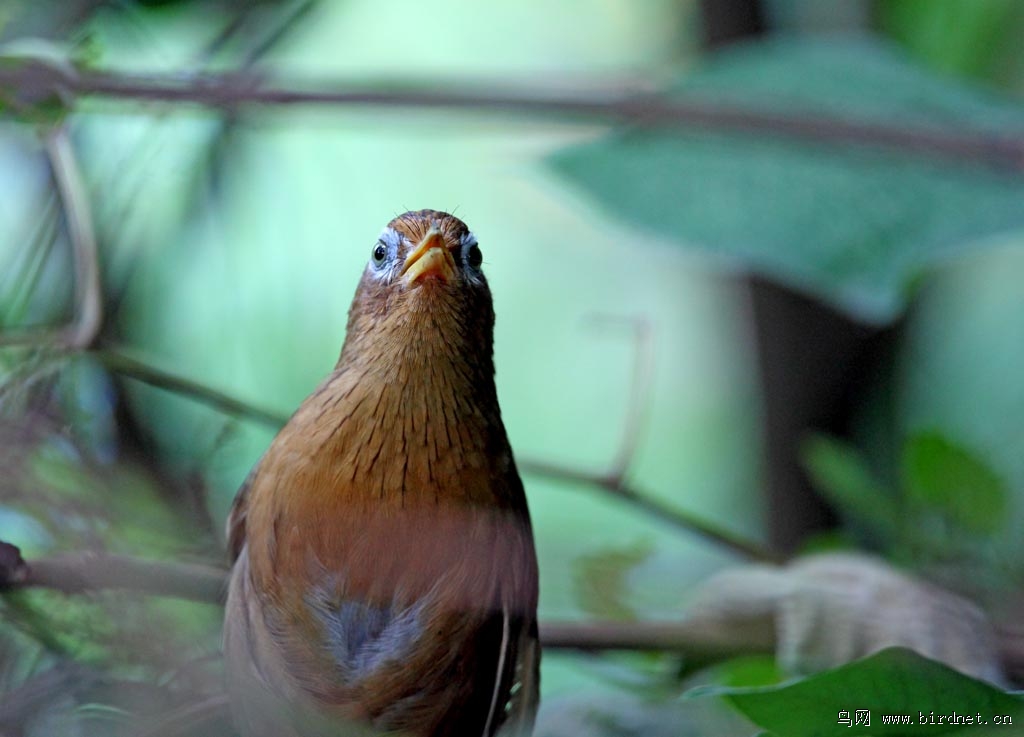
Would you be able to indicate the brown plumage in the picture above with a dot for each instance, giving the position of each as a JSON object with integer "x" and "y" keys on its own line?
{"x": 384, "y": 574}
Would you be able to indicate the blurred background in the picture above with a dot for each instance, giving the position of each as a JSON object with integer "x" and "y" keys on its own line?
{"x": 758, "y": 283}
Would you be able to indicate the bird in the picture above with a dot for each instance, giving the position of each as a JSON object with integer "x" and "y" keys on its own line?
{"x": 384, "y": 575}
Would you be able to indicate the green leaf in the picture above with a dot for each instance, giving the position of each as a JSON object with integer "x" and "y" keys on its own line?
{"x": 972, "y": 37}
{"x": 842, "y": 474}
{"x": 750, "y": 671}
{"x": 891, "y": 682}
{"x": 955, "y": 482}
{"x": 855, "y": 225}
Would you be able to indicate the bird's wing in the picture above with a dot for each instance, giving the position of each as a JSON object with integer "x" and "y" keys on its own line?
{"x": 525, "y": 686}
{"x": 517, "y": 681}
{"x": 235, "y": 528}
{"x": 498, "y": 697}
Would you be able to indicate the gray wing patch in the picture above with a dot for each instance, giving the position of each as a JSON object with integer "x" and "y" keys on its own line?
{"x": 362, "y": 637}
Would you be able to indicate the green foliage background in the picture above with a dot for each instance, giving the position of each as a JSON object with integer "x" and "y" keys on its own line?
{"x": 231, "y": 246}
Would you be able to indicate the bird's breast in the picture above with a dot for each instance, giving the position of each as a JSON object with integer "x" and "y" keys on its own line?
{"x": 383, "y": 616}
{"x": 389, "y": 535}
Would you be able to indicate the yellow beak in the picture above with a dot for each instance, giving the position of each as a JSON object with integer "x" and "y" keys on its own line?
{"x": 429, "y": 258}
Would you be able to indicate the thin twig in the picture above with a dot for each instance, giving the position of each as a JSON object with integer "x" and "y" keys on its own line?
{"x": 614, "y": 484}
{"x": 85, "y": 326}
{"x": 614, "y": 481}
{"x": 38, "y": 80}
{"x": 620, "y": 489}
{"x": 132, "y": 368}
{"x": 82, "y": 233}
{"x": 684, "y": 637}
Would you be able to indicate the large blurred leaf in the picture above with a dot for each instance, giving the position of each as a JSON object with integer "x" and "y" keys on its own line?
{"x": 892, "y": 682}
{"x": 954, "y": 481}
{"x": 854, "y": 225}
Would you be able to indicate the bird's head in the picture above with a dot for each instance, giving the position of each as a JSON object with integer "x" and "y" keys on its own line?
{"x": 422, "y": 294}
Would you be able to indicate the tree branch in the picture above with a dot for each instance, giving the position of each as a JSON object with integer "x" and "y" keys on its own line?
{"x": 39, "y": 80}
{"x": 619, "y": 488}
{"x": 120, "y": 363}
{"x": 614, "y": 481}
{"x": 682, "y": 637}
{"x": 85, "y": 572}
{"x": 613, "y": 484}
{"x": 82, "y": 572}
{"x": 696, "y": 638}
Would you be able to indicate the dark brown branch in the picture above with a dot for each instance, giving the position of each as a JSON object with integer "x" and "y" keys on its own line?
{"x": 34, "y": 80}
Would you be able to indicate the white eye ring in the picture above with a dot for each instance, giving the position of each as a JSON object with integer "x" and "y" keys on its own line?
{"x": 471, "y": 255}
{"x": 385, "y": 251}
{"x": 379, "y": 255}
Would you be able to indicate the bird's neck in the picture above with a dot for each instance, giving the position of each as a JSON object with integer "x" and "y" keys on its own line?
{"x": 423, "y": 348}
{"x": 431, "y": 381}
{"x": 413, "y": 421}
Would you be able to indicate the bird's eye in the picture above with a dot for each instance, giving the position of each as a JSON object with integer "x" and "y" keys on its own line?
{"x": 380, "y": 254}
{"x": 474, "y": 257}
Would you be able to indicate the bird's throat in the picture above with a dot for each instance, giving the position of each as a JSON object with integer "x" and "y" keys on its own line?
{"x": 417, "y": 427}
